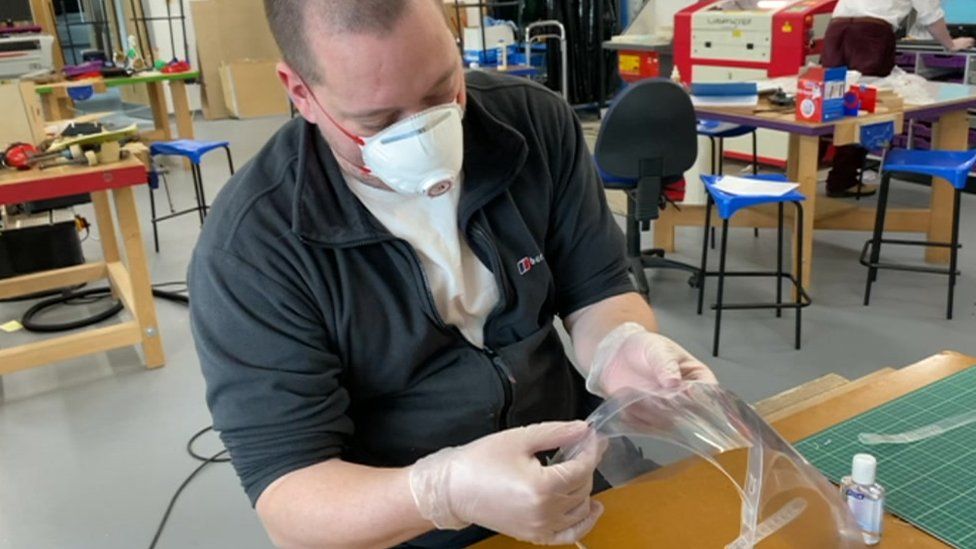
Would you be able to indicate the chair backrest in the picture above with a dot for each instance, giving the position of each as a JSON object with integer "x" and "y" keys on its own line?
{"x": 648, "y": 131}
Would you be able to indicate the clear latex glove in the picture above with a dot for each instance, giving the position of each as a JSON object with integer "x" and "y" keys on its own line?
{"x": 498, "y": 483}
{"x": 959, "y": 44}
{"x": 631, "y": 356}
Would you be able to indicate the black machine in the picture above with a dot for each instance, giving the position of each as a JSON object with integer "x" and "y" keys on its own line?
{"x": 39, "y": 243}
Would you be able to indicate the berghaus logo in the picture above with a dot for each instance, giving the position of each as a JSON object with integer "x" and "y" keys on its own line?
{"x": 527, "y": 263}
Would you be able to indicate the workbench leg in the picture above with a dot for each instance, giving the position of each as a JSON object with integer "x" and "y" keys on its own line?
{"x": 804, "y": 155}
{"x": 950, "y": 133}
{"x": 157, "y": 101}
{"x": 106, "y": 230}
{"x": 181, "y": 108}
{"x": 135, "y": 252}
{"x": 51, "y": 108}
{"x": 106, "y": 226}
{"x": 793, "y": 152}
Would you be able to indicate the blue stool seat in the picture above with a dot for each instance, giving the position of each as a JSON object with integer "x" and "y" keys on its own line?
{"x": 729, "y": 204}
{"x": 953, "y": 166}
{"x": 193, "y": 151}
{"x": 188, "y": 148}
{"x": 723, "y": 130}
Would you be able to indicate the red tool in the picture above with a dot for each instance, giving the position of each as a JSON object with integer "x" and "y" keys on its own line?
{"x": 18, "y": 156}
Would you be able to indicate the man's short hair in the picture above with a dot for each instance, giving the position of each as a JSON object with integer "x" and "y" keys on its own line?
{"x": 289, "y": 24}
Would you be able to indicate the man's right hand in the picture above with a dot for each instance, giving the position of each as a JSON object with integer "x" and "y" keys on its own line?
{"x": 959, "y": 44}
{"x": 498, "y": 483}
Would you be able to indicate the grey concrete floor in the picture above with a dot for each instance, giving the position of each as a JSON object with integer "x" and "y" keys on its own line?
{"x": 91, "y": 450}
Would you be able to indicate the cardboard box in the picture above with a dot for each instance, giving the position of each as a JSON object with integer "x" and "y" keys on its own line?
{"x": 251, "y": 89}
{"x": 820, "y": 94}
{"x": 227, "y": 31}
{"x": 23, "y": 116}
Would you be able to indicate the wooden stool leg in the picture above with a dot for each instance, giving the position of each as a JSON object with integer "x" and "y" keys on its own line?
{"x": 145, "y": 313}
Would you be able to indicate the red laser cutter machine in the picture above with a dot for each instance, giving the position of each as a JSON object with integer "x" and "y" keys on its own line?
{"x": 717, "y": 41}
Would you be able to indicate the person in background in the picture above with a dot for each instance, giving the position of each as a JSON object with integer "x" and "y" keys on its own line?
{"x": 861, "y": 37}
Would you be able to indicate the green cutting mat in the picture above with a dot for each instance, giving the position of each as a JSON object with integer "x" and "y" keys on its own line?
{"x": 930, "y": 483}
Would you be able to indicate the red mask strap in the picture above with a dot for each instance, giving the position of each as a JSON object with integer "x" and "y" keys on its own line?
{"x": 355, "y": 138}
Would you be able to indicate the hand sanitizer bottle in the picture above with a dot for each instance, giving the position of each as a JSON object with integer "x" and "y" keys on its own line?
{"x": 865, "y": 497}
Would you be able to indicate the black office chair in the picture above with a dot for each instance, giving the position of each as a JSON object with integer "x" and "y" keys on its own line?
{"x": 647, "y": 142}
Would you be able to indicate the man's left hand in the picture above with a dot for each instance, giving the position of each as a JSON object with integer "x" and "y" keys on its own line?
{"x": 632, "y": 356}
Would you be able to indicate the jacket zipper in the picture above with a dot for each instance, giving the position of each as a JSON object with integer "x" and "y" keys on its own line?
{"x": 504, "y": 372}
{"x": 501, "y": 369}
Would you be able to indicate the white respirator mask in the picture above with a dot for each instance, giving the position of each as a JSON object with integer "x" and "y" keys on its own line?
{"x": 422, "y": 154}
{"x": 419, "y": 155}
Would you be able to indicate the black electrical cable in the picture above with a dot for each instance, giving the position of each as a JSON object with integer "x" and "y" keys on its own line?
{"x": 172, "y": 502}
{"x": 87, "y": 297}
{"x": 216, "y": 458}
{"x": 193, "y": 439}
{"x": 32, "y": 326}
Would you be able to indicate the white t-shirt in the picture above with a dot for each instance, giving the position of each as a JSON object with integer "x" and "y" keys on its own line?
{"x": 892, "y": 11}
{"x": 464, "y": 290}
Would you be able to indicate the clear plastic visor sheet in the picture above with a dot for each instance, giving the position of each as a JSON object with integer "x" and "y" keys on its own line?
{"x": 770, "y": 496}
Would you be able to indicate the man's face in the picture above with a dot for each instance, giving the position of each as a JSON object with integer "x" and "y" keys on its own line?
{"x": 369, "y": 82}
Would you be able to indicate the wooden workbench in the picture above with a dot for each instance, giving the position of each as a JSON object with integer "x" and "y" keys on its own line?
{"x": 951, "y": 132}
{"x": 128, "y": 273}
{"x": 57, "y": 102}
{"x": 654, "y": 513}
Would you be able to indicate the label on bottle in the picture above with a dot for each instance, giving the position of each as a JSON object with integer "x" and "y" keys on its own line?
{"x": 868, "y": 512}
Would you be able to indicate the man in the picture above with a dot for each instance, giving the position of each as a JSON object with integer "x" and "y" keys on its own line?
{"x": 861, "y": 36}
{"x": 374, "y": 295}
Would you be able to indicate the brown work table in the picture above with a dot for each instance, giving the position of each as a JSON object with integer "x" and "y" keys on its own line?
{"x": 689, "y": 505}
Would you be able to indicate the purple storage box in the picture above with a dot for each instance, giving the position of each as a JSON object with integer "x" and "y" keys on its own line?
{"x": 941, "y": 61}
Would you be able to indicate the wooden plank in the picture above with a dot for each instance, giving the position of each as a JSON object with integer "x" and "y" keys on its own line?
{"x": 903, "y": 220}
{"x": 143, "y": 306}
{"x": 122, "y": 284}
{"x": 67, "y": 347}
{"x": 799, "y": 394}
{"x": 896, "y": 384}
{"x": 815, "y": 400}
{"x": 951, "y": 133}
{"x": 51, "y": 280}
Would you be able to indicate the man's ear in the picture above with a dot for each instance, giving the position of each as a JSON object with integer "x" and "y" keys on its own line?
{"x": 298, "y": 92}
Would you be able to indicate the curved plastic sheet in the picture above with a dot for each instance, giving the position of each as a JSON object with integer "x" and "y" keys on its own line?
{"x": 785, "y": 501}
